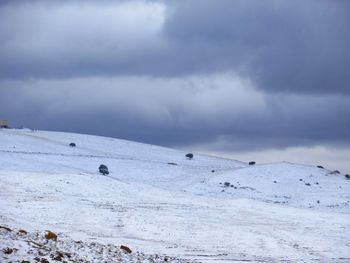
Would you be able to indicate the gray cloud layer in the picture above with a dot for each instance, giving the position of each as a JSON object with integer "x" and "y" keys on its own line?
{"x": 281, "y": 45}
{"x": 221, "y": 109}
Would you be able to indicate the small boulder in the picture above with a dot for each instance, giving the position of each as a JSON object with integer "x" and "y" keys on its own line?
{"x": 227, "y": 184}
{"x": 189, "y": 156}
{"x": 126, "y": 249}
{"x": 22, "y": 232}
{"x": 72, "y": 144}
{"x": 252, "y": 163}
{"x": 319, "y": 166}
{"x": 51, "y": 235}
{"x": 347, "y": 176}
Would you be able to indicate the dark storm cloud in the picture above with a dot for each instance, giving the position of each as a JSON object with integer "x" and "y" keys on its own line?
{"x": 280, "y": 45}
{"x": 221, "y": 111}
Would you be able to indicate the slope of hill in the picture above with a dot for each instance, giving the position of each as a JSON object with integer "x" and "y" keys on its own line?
{"x": 282, "y": 183}
{"x": 160, "y": 203}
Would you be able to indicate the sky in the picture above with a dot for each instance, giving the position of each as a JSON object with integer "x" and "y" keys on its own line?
{"x": 252, "y": 80}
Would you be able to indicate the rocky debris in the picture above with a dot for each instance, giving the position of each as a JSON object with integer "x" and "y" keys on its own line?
{"x": 58, "y": 256}
{"x": 50, "y": 235}
{"x": 7, "y": 250}
{"x": 227, "y": 184}
{"x": 36, "y": 247}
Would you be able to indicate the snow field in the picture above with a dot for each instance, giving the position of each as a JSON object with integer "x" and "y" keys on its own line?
{"x": 178, "y": 210}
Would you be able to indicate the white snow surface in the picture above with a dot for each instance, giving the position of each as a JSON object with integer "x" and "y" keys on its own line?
{"x": 279, "y": 212}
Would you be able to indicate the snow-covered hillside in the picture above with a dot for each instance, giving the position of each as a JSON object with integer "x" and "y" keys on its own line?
{"x": 167, "y": 207}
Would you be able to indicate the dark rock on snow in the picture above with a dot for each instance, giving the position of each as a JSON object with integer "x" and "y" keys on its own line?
{"x": 189, "y": 155}
{"x": 126, "y": 249}
{"x": 51, "y": 235}
{"x": 103, "y": 169}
